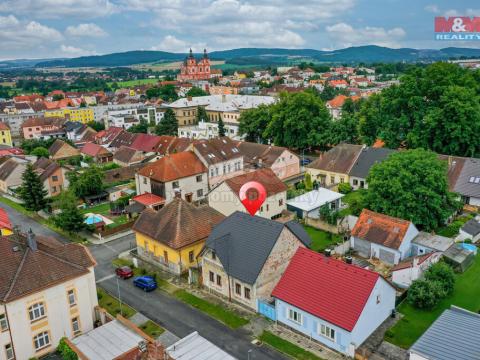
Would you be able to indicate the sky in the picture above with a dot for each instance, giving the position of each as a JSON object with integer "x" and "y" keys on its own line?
{"x": 71, "y": 28}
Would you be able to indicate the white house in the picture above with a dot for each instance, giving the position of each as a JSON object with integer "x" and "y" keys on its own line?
{"x": 308, "y": 205}
{"x": 470, "y": 230}
{"x": 341, "y": 306}
{"x": 411, "y": 269}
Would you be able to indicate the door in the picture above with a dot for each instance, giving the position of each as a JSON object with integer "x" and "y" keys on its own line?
{"x": 188, "y": 197}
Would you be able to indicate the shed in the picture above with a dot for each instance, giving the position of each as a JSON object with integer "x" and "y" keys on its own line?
{"x": 459, "y": 257}
{"x": 309, "y": 204}
{"x": 470, "y": 230}
{"x": 196, "y": 347}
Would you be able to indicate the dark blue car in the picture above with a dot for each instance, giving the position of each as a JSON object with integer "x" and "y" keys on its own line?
{"x": 305, "y": 161}
{"x": 146, "y": 283}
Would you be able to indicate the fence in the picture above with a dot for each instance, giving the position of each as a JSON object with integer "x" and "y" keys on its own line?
{"x": 108, "y": 231}
{"x": 267, "y": 310}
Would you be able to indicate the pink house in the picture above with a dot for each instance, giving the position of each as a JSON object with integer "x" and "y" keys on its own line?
{"x": 37, "y": 127}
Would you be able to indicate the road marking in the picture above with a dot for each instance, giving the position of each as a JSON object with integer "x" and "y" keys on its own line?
{"x": 105, "y": 278}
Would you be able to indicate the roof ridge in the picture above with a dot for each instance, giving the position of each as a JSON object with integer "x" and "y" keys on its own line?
{"x": 17, "y": 274}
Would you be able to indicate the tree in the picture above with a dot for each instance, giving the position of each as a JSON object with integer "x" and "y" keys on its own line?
{"x": 299, "y": 120}
{"x": 201, "y": 114}
{"x": 168, "y": 125}
{"x": 344, "y": 129}
{"x": 412, "y": 185}
{"x": 221, "y": 127}
{"x": 442, "y": 273}
{"x": 57, "y": 97}
{"x": 344, "y": 188}
{"x": 96, "y": 125}
{"x": 308, "y": 182}
{"x": 141, "y": 127}
{"x": 70, "y": 218}
{"x": 252, "y": 123}
{"x": 90, "y": 182}
{"x": 40, "y": 152}
{"x": 166, "y": 93}
{"x": 32, "y": 191}
{"x": 424, "y": 294}
{"x": 328, "y": 215}
{"x": 196, "y": 91}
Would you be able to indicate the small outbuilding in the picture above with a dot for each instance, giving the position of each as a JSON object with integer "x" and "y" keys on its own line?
{"x": 308, "y": 205}
{"x": 459, "y": 256}
{"x": 470, "y": 230}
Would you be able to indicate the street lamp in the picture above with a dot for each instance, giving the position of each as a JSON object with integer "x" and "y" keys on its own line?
{"x": 248, "y": 353}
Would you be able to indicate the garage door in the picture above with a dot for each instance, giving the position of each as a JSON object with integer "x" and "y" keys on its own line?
{"x": 362, "y": 247}
{"x": 387, "y": 256}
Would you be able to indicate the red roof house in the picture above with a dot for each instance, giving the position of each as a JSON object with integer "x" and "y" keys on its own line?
{"x": 97, "y": 152}
{"x": 336, "y": 303}
{"x": 6, "y": 226}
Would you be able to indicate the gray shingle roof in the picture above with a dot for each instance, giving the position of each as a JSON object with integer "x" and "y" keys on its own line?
{"x": 454, "y": 335}
{"x": 472, "y": 227}
{"x": 243, "y": 243}
{"x": 467, "y": 183}
{"x": 367, "y": 158}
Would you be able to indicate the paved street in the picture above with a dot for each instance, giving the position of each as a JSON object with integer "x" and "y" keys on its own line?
{"x": 172, "y": 314}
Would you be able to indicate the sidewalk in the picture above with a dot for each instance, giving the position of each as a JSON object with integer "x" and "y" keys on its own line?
{"x": 96, "y": 241}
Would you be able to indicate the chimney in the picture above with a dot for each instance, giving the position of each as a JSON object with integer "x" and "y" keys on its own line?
{"x": 349, "y": 260}
{"x": 31, "y": 242}
{"x": 189, "y": 98}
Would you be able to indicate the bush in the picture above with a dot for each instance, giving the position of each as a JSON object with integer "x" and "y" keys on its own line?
{"x": 65, "y": 351}
{"x": 328, "y": 215}
{"x": 344, "y": 188}
{"x": 442, "y": 273}
{"x": 424, "y": 294}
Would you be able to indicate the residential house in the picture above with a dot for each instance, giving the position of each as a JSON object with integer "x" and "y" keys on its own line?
{"x": 52, "y": 175}
{"x": 335, "y": 105}
{"x": 221, "y": 157}
{"x": 338, "y": 84}
{"x": 454, "y": 335}
{"x": 368, "y": 157}
{"x": 99, "y": 154}
{"x": 124, "y": 138}
{"x": 148, "y": 200}
{"x": 245, "y": 256}
{"x": 146, "y": 143}
{"x": 280, "y": 160}
{"x": 194, "y": 346}
{"x": 61, "y": 150}
{"x": 413, "y": 268}
{"x": 40, "y": 128}
{"x": 126, "y": 156}
{"x": 470, "y": 230}
{"x": 225, "y": 197}
{"x": 177, "y": 174}
{"x": 340, "y": 306}
{"x": 5, "y": 134}
{"x": 6, "y": 227}
{"x": 383, "y": 237}
{"x": 11, "y": 171}
{"x": 174, "y": 236}
{"x": 307, "y": 206}
{"x": 467, "y": 183}
{"x": 172, "y": 145}
{"x": 333, "y": 166}
{"x": 47, "y": 292}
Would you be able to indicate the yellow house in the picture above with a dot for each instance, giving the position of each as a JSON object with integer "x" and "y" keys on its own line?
{"x": 6, "y": 227}
{"x": 58, "y": 113}
{"x": 5, "y": 135}
{"x": 80, "y": 114}
{"x": 333, "y": 167}
{"x": 174, "y": 236}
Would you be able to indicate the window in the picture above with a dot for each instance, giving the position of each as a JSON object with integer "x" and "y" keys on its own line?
{"x": 9, "y": 352}
{"x": 54, "y": 178}
{"x": 3, "y": 322}
{"x": 212, "y": 276}
{"x": 267, "y": 207}
{"x": 326, "y": 331}
{"x": 378, "y": 299}
{"x": 332, "y": 179}
{"x": 219, "y": 280}
{"x": 191, "y": 257}
{"x": 280, "y": 202}
{"x": 247, "y": 293}
{"x": 341, "y": 180}
{"x": 36, "y": 311}
{"x": 165, "y": 256}
{"x": 199, "y": 178}
{"x": 54, "y": 189}
{"x": 199, "y": 192}
{"x": 355, "y": 182}
{"x": 214, "y": 256}
{"x": 238, "y": 289}
{"x": 71, "y": 297}
{"x": 41, "y": 341}
{"x": 75, "y": 325}
{"x": 294, "y": 316}
{"x": 175, "y": 184}
{"x": 144, "y": 180}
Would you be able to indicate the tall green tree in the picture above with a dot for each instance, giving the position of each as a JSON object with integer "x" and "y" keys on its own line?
{"x": 96, "y": 125}
{"x": 201, "y": 114}
{"x": 40, "y": 152}
{"x": 412, "y": 185}
{"x": 168, "y": 125}
{"x": 253, "y": 122}
{"x": 345, "y": 130}
{"x": 89, "y": 182}
{"x": 299, "y": 120}
{"x": 196, "y": 91}
{"x": 221, "y": 127}
{"x": 32, "y": 191}
{"x": 141, "y": 127}
{"x": 70, "y": 218}
{"x": 166, "y": 93}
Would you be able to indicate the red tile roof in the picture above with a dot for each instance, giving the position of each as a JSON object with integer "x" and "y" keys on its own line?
{"x": 326, "y": 288}
{"x": 93, "y": 150}
{"x": 272, "y": 184}
{"x": 380, "y": 229}
{"x": 5, "y": 220}
{"x": 146, "y": 142}
{"x": 148, "y": 199}
{"x": 4, "y": 126}
{"x": 173, "y": 167}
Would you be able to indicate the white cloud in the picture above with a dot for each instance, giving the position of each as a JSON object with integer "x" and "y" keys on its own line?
{"x": 85, "y": 30}
{"x": 17, "y": 34}
{"x": 172, "y": 44}
{"x": 72, "y": 51}
{"x": 345, "y": 35}
{"x": 432, "y": 8}
{"x": 53, "y": 9}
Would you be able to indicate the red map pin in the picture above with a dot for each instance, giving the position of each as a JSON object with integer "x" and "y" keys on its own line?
{"x": 252, "y": 195}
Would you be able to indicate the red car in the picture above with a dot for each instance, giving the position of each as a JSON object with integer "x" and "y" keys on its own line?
{"x": 124, "y": 272}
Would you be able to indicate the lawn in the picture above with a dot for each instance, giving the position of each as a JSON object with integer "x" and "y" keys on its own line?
{"x": 453, "y": 229}
{"x": 218, "y": 312}
{"x": 321, "y": 239}
{"x": 104, "y": 209}
{"x": 287, "y": 347}
{"x": 112, "y": 305}
{"x": 129, "y": 83}
{"x": 353, "y": 199}
{"x": 415, "y": 322}
{"x": 152, "y": 329}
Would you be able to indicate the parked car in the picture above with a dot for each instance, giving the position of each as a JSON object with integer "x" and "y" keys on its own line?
{"x": 146, "y": 283}
{"x": 124, "y": 272}
{"x": 305, "y": 161}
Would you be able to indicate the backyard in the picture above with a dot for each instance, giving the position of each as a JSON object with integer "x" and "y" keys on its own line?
{"x": 415, "y": 321}
{"x": 321, "y": 239}
{"x": 104, "y": 210}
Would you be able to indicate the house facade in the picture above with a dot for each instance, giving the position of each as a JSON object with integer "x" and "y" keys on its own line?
{"x": 409, "y": 270}
{"x": 11, "y": 172}
{"x": 368, "y": 157}
{"x": 37, "y": 311}
{"x": 340, "y": 307}
{"x": 244, "y": 257}
{"x": 225, "y": 197}
{"x": 5, "y": 134}
{"x": 52, "y": 175}
{"x": 181, "y": 174}
{"x": 60, "y": 150}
